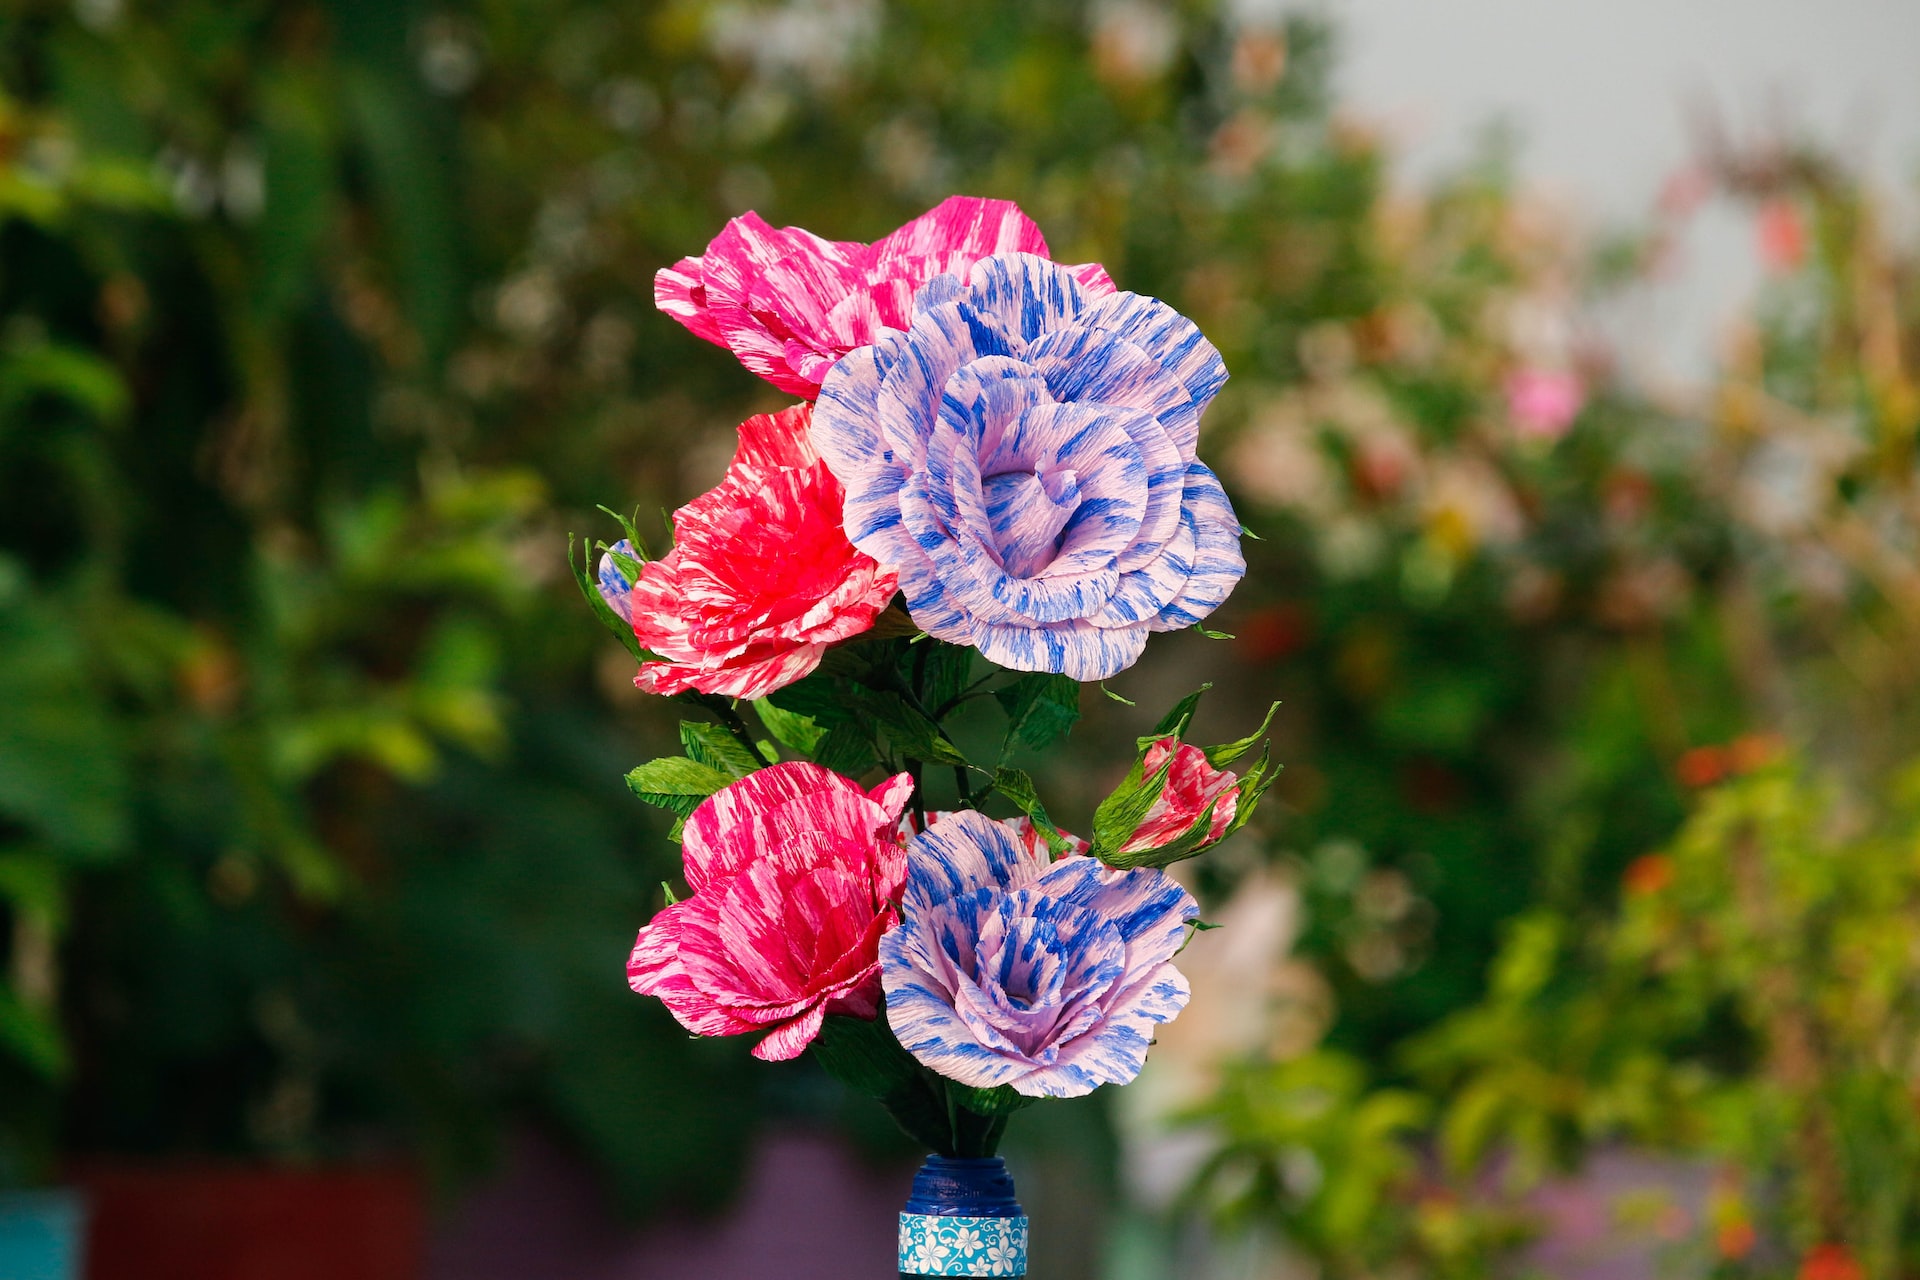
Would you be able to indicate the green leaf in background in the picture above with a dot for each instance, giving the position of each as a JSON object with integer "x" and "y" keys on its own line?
{"x": 675, "y": 783}
{"x": 63, "y": 773}
{"x": 712, "y": 745}
{"x": 69, "y": 373}
{"x": 1040, "y": 709}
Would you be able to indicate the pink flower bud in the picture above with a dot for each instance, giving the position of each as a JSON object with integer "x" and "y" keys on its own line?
{"x": 1192, "y": 784}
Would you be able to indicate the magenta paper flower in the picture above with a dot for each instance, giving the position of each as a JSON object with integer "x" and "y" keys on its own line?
{"x": 1191, "y": 785}
{"x": 761, "y": 579}
{"x": 1008, "y": 969}
{"x": 789, "y": 304}
{"x": 1023, "y": 455}
{"x": 794, "y": 871}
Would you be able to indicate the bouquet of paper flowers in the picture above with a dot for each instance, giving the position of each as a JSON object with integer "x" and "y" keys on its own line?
{"x": 989, "y": 494}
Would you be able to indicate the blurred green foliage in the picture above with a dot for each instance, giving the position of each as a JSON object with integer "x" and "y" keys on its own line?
{"x": 322, "y": 325}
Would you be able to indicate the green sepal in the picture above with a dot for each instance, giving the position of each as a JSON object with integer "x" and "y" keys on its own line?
{"x": 1001, "y": 1100}
{"x": 1227, "y": 752}
{"x": 1122, "y": 812}
{"x": 1175, "y": 722}
{"x": 1188, "y": 843}
{"x": 633, "y": 537}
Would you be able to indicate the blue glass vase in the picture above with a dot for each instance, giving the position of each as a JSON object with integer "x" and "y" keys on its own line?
{"x": 962, "y": 1219}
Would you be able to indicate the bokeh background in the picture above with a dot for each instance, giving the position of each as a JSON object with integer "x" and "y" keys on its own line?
{"x": 1574, "y": 406}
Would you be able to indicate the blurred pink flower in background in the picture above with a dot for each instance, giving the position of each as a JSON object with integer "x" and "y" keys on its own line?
{"x": 1544, "y": 402}
{"x": 1782, "y": 236}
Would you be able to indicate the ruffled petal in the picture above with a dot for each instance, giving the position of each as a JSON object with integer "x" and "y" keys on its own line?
{"x": 1218, "y": 563}
{"x": 965, "y": 851}
{"x": 681, "y": 291}
{"x": 1173, "y": 341}
{"x": 1079, "y": 649}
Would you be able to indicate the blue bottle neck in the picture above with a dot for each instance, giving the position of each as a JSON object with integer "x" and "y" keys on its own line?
{"x": 952, "y": 1187}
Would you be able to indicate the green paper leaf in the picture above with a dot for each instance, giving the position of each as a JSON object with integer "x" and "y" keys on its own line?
{"x": 790, "y": 728}
{"x": 864, "y": 1056}
{"x": 847, "y": 749}
{"x": 912, "y": 734}
{"x": 820, "y": 698}
{"x": 712, "y": 745}
{"x": 1018, "y": 787}
{"x": 1041, "y": 708}
{"x": 948, "y": 669}
{"x": 675, "y": 783}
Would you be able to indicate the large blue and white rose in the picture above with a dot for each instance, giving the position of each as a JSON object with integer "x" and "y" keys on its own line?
{"x": 1023, "y": 455}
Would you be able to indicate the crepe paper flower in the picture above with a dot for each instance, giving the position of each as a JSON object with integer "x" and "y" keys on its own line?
{"x": 794, "y": 871}
{"x": 1179, "y": 799}
{"x": 1010, "y": 969}
{"x": 1544, "y": 402}
{"x": 1021, "y": 826}
{"x": 789, "y": 304}
{"x": 1192, "y": 791}
{"x": 1024, "y": 456}
{"x": 762, "y": 578}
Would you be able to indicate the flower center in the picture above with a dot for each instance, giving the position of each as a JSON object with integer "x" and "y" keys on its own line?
{"x": 1028, "y": 511}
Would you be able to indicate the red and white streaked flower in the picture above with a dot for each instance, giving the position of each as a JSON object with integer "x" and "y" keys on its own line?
{"x": 795, "y": 873}
{"x": 1192, "y": 784}
{"x": 788, "y": 303}
{"x": 762, "y": 578}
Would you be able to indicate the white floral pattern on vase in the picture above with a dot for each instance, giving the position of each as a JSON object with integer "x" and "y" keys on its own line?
{"x": 938, "y": 1246}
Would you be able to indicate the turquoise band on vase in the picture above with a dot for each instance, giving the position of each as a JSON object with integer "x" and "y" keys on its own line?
{"x": 942, "y": 1246}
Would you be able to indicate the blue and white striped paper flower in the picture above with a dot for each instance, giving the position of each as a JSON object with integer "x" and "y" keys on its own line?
{"x": 1009, "y": 969}
{"x": 1024, "y": 456}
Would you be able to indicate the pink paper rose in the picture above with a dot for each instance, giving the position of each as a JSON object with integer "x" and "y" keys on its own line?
{"x": 1192, "y": 784}
{"x": 789, "y": 304}
{"x": 795, "y": 874}
{"x": 762, "y": 578}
